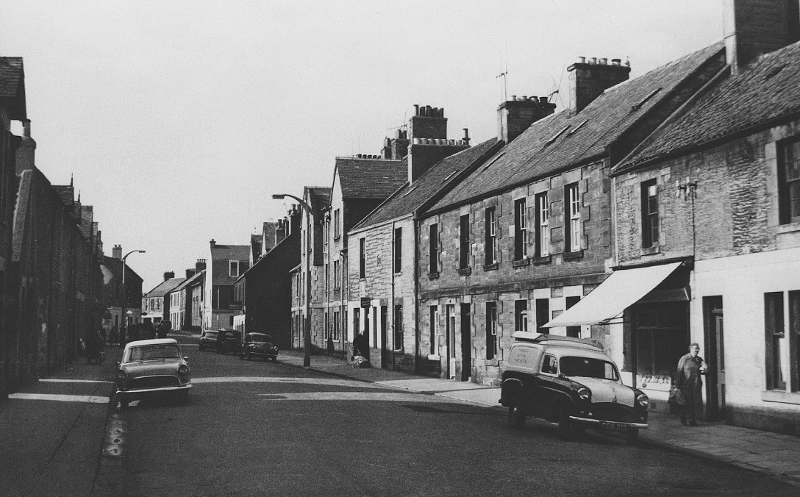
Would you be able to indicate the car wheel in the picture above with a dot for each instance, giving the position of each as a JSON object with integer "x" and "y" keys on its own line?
{"x": 275, "y": 359}
{"x": 249, "y": 356}
{"x": 516, "y": 416}
{"x": 565, "y": 427}
{"x": 632, "y": 436}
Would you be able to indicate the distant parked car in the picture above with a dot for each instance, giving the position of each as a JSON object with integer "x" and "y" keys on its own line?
{"x": 150, "y": 367}
{"x": 258, "y": 344}
{"x": 571, "y": 382}
{"x": 208, "y": 340}
{"x": 164, "y": 327}
{"x": 229, "y": 342}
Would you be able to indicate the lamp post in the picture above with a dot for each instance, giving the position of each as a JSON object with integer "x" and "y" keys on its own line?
{"x": 125, "y": 290}
{"x": 307, "y": 326}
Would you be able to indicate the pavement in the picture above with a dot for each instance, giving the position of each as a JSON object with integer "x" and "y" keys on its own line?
{"x": 53, "y": 433}
{"x": 765, "y": 452}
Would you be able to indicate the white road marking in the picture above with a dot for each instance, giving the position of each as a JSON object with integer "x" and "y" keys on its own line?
{"x": 273, "y": 379}
{"x": 88, "y": 399}
{"x": 68, "y": 380}
{"x": 359, "y": 396}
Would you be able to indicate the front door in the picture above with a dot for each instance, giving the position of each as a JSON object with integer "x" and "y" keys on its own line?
{"x": 386, "y": 349}
{"x": 714, "y": 357}
{"x": 466, "y": 343}
{"x": 451, "y": 341}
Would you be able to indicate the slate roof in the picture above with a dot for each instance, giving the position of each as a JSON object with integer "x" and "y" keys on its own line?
{"x": 370, "y": 179}
{"x": 10, "y": 76}
{"x": 228, "y": 253}
{"x": 188, "y": 281}
{"x": 768, "y": 89}
{"x": 563, "y": 141}
{"x": 115, "y": 266}
{"x": 410, "y": 197}
{"x": 164, "y": 287}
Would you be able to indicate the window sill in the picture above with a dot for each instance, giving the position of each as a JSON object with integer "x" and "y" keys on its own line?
{"x": 788, "y": 228}
{"x": 465, "y": 271}
{"x": 655, "y": 249}
{"x": 781, "y": 396}
{"x": 538, "y": 261}
{"x": 573, "y": 256}
{"x": 521, "y": 262}
{"x": 433, "y": 276}
{"x": 491, "y": 267}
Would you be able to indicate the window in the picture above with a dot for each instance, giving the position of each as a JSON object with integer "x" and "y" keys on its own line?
{"x": 789, "y": 182}
{"x": 572, "y": 211}
{"x": 649, "y": 213}
{"x": 463, "y": 244}
{"x": 327, "y": 330}
{"x": 335, "y": 275}
{"x": 336, "y": 336}
{"x": 233, "y": 269}
{"x": 337, "y": 227}
{"x": 549, "y": 365}
{"x": 520, "y": 229}
{"x": 398, "y": 250}
{"x": 433, "y": 249}
{"x": 775, "y": 336}
{"x": 521, "y": 315}
{"x": 794, "y": 338}
{"x": 356, "y": 322}
{"x": 542, "y": 315}
{"x": 362, "y": 258}
{"x": 491, "y": 237}
{"x": 573, "y": 331}
{"x": 398, "y": 327}
{"x": 542, "y": 225}
{"x": 434, "y": 325}
{"x": 327, "y": 235}
{"x": 491, "y": 330}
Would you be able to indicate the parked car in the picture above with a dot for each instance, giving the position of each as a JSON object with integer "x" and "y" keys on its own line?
{"x": 258, "y": 344}
{"x": 208, "y": 340}
{"x": 229, "y": 342}
{"x": 572, "y": 382}
{"x": 164, "y": 327}
{"x": 150, "y": 367}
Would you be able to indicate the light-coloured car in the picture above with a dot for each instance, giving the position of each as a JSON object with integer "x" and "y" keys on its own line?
{"x": 150, "y": 367}
{"x": 572, "y": 382}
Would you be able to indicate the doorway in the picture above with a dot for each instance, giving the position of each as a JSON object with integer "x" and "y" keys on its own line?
{"x": 466, "y": 343}
{"x": 715, "y": 357}
{"x": 450, "y": 331}
{"x": 386, "y": 350}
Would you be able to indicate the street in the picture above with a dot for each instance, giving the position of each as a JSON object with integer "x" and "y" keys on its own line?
{"x": 263, "y": 428}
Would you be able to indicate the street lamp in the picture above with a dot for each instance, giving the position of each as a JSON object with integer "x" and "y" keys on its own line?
{"x": 307, "y": 330}
{"x": 125, "y": 290}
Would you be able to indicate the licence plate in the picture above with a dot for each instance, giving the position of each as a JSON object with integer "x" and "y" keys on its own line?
{"x": 614, "y": 427}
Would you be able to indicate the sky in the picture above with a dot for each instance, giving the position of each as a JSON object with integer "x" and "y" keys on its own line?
{"x": 179, "y": 119}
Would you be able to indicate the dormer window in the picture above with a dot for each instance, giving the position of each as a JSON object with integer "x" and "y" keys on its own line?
{"x": 233, "y": 269}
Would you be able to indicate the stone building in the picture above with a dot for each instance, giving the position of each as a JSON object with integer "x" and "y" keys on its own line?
{"x": 712, "y": 200}
{"x": 183, "y": 307}
{"x": 527, "y": 233}
{"x": 113, "y": 293}
{"x": 381, "y": 282}
{"x": 156, "y": 304}
{"x": 227, "y": 263}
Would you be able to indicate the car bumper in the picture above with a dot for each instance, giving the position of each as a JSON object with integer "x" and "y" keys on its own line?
{"x": 153, "y": 390}
{"x": 608, "y": 425}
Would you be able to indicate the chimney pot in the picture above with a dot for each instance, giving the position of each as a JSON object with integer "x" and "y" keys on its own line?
{"x": 604, "y": 61}
{"x": 213, "y": 243}
{"x": 594, "y": 60}
{"x": 428, "y": 111}
{"x": 615, "y": 62}
{"x": 582, "y": 60}
{"x": 416, "y": 109}
{"x": 513, "y": 97}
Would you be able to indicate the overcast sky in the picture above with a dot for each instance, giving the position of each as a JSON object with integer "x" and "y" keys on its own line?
{"x": 178, "y": 120}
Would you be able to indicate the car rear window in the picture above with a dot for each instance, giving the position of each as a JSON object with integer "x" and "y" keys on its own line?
{"x": 260, "y": 337}
{"x": 588, "y": 367}
{"x": 211, "y": 334}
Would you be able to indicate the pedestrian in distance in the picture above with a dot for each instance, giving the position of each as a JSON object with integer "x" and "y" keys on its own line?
{"x": 688, "y": 379}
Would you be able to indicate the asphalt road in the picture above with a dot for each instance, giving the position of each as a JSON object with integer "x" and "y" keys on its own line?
{"x": 263, "y": 428}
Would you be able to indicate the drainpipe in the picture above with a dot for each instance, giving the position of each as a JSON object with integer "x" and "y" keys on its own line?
{"x": 416, "y": 295}
{"x": 391, "y": 301}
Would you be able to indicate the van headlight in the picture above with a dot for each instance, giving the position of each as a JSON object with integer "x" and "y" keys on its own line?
{"x": 642, "y": 400}
{"x": 585, "y": 394}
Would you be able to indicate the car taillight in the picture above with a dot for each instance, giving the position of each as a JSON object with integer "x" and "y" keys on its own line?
{"x": 642, "y": 400}
{"x": 183, "y": 370}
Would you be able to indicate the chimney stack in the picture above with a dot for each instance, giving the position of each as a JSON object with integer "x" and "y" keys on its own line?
{"x": 756, "y": 27}
{"x": 190, "y": 272}
{"x": 213, "y": 243}
{"x": 26, "y": 153}
{"x": 516, "y": 115}
{"x": 200, "y": 265}
{"x": 169, "y": 275}
{"x": 427, "y": 140}
{"x": 588, "y": 80}
{"x": 116, "y": 252}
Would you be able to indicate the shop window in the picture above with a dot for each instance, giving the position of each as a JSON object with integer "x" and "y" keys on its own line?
{"x": 491, "y": 330}
{"x": 433, "y": 249}
{"x": 463, "y": 237}
{"x": 775, "y": 340}
{"x": 542, "y": 225}
{"x": 542, "y": 315}
{"x": 649, "y": 213}
{"x": 572, "y": 221}
{"x": 520, "y": 229}
{"x": 573, "y": 331}
{"x": 789, "y": 182}
{"x": 662, "y": 337}
{"x": 491, "y": 237}
{"x": 521, "y": 315}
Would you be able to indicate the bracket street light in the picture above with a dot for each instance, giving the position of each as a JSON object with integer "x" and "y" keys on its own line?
{"x": 307, "y": 326}
{"x": 125, "y": 291}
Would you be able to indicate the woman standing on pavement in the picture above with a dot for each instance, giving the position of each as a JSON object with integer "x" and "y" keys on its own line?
{"x": 688, "y": 380}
